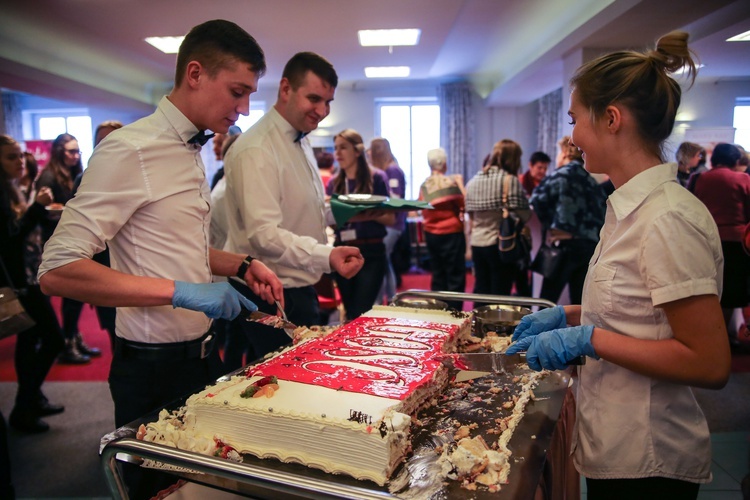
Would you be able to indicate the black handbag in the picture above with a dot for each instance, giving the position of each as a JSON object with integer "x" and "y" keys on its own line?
{"x": 548, "y": 260}
{"x": 513, "y": 238}
{"x": 13, "y": 317}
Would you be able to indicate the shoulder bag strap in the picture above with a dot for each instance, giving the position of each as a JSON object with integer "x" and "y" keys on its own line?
{"x": 506, "y": 188}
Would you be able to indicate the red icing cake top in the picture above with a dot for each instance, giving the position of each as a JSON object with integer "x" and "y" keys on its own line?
{"x": 385, "y": 357}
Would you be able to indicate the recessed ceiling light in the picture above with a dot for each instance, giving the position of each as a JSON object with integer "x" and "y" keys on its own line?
{"x": 742, "y": 37}
{"x": 167, "y": 44}
{"x": 388, "y": 38}
{"x": 387, "y": 71}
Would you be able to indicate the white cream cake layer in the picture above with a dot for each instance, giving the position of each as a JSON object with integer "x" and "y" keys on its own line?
{"x": 308, "y": 425}
{"x": 365, "y": 436}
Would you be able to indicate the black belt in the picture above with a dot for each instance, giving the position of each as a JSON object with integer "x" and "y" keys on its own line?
{"x": 177, "y": 351}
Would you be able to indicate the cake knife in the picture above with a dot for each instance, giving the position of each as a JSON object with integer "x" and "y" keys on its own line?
{"x": 495, "y": 362}
{"x": 271, "y": 320}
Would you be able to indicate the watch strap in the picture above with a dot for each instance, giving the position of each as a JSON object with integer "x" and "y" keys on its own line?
{"x": 244, "y": 265}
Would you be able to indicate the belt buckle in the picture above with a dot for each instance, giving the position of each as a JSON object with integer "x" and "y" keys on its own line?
{"x": 205, "y": 351}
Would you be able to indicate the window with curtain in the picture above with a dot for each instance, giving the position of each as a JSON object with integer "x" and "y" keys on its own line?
{"x": 549, "y": 122}
{"x": 412, "y": 127}
{"x": 457, "y": 135}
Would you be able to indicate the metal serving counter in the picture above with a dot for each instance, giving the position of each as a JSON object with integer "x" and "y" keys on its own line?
{"x": 416, "y": 478}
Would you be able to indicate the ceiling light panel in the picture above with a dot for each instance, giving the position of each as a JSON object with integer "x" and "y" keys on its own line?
{"x": 742, "y": 37}
{"x": 387, "y": 71}
{"x": 389, "y": 38}
{"x": 167, "y": 44}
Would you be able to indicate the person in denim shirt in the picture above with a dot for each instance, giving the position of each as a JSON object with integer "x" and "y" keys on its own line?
{"x": 570, "y": 205}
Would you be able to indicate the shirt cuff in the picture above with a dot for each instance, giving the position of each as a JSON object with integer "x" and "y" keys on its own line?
{"x": 322, "y": 257}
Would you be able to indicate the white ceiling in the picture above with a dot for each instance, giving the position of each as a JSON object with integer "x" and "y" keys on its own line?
{"x": 92, "y": 51}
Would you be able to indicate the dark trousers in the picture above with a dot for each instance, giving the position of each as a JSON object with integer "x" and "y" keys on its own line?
{"x": 573, "y": 269}
{"x": 140, "y": 388}
{"x": 301, "y": 307}
{"x": 37, "y": 347}
{"x": 360, "y": 292}
{"x": 447, "y": 263}
{"x": 71, "y": 313}
{"x": 648, "y": 488}
{"x": 492, "y": 275}
{"x": 6, "y": 483}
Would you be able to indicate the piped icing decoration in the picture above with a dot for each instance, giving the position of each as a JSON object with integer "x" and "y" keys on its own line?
{"x": 261, "y": 387}
{"x": 386, "y": 357}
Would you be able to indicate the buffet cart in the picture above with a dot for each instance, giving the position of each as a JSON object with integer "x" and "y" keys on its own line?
{"x": 416, "y": 478}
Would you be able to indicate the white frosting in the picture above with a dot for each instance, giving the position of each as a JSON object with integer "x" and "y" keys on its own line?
{"x": 362, "y": 435}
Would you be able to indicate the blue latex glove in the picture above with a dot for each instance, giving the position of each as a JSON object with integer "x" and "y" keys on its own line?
{"x": 215, "y": 300}
{"x": 542, "y": 321}
{"x": 554, "y": 349}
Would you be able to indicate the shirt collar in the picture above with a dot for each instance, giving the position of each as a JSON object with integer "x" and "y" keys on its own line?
{"x": 184, "y": 127}
{"x": 630, "y": 195}
{"x": 286, "y": 128}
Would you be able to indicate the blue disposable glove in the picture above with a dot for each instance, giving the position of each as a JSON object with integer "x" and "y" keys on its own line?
{"x": 553, "y": 350}
{"x": 215, "y": 300}
{"x": 542, "y": 321}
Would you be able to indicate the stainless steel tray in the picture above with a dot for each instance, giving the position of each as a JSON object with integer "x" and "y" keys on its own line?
{"x": 268, "y": 478}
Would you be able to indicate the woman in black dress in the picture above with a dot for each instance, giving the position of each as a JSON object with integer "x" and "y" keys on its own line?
{"x": 37, "y": 347}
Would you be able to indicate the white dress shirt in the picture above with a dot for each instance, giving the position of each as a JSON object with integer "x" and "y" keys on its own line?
{"x": 659, "y": 244}
{"x": 144, "y": 194}
{"x": 275, "y": 202}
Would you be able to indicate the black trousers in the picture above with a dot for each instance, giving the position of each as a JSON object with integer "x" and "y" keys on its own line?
{"x": 360, "y": 292}
{"x": 575, "y": 265}
{"x": 301, "y": 307}
{"x": 647, "y": 488}
{"x": 447, "y": 263}
{"x": 37, "y": 347}
{"x": 492, "y": 275}
{"x": 6, "y": 483}
{"x": 140, "y": 388}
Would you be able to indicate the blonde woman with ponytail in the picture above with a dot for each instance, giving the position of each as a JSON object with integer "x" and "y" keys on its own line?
{"x": 650, "y": 320}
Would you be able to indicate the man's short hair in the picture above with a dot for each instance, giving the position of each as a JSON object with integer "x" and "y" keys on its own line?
{"x": 539, "y": 157}
{"x": 302, "y": 62}
{"x": 217, "y": 45}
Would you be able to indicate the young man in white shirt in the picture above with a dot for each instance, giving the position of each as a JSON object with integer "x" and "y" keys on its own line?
{"x": 284, "y": 220}
{"x": 146, "y": 196}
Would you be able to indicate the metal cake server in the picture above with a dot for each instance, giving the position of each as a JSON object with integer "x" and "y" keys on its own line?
{"x": 271, "y": 320}
{"x": 495, "y": 362}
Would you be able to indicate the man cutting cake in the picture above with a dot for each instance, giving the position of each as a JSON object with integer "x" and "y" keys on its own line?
{"x": 145, "y": 195}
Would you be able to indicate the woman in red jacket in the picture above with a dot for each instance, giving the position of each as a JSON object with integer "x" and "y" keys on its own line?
{"x": 726, "y": 194}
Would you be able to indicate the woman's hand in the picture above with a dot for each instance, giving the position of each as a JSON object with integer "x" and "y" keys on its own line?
{"x": 44, "y": 197}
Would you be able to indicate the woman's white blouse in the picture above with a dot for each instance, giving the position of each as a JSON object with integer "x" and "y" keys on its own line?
{"x": 659, "y": 244}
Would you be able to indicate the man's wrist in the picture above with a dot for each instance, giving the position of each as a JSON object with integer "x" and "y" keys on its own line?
{"x": 244, "y": 266}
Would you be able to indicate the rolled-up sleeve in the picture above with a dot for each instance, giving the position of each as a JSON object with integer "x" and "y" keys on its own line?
{"x": 111, "y": 190}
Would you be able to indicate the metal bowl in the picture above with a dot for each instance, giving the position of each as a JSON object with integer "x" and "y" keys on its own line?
{"x": 420, "y": 303}
{"x": 499, "y": 318}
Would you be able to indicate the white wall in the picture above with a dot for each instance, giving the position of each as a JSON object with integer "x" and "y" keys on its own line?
{"x": 707, "y": 105}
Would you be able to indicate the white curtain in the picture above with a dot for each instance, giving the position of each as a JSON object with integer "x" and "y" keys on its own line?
{"x": 549, "y": 124}
{"x": 457, "y": 128}
{"x": 12, "y": 125}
